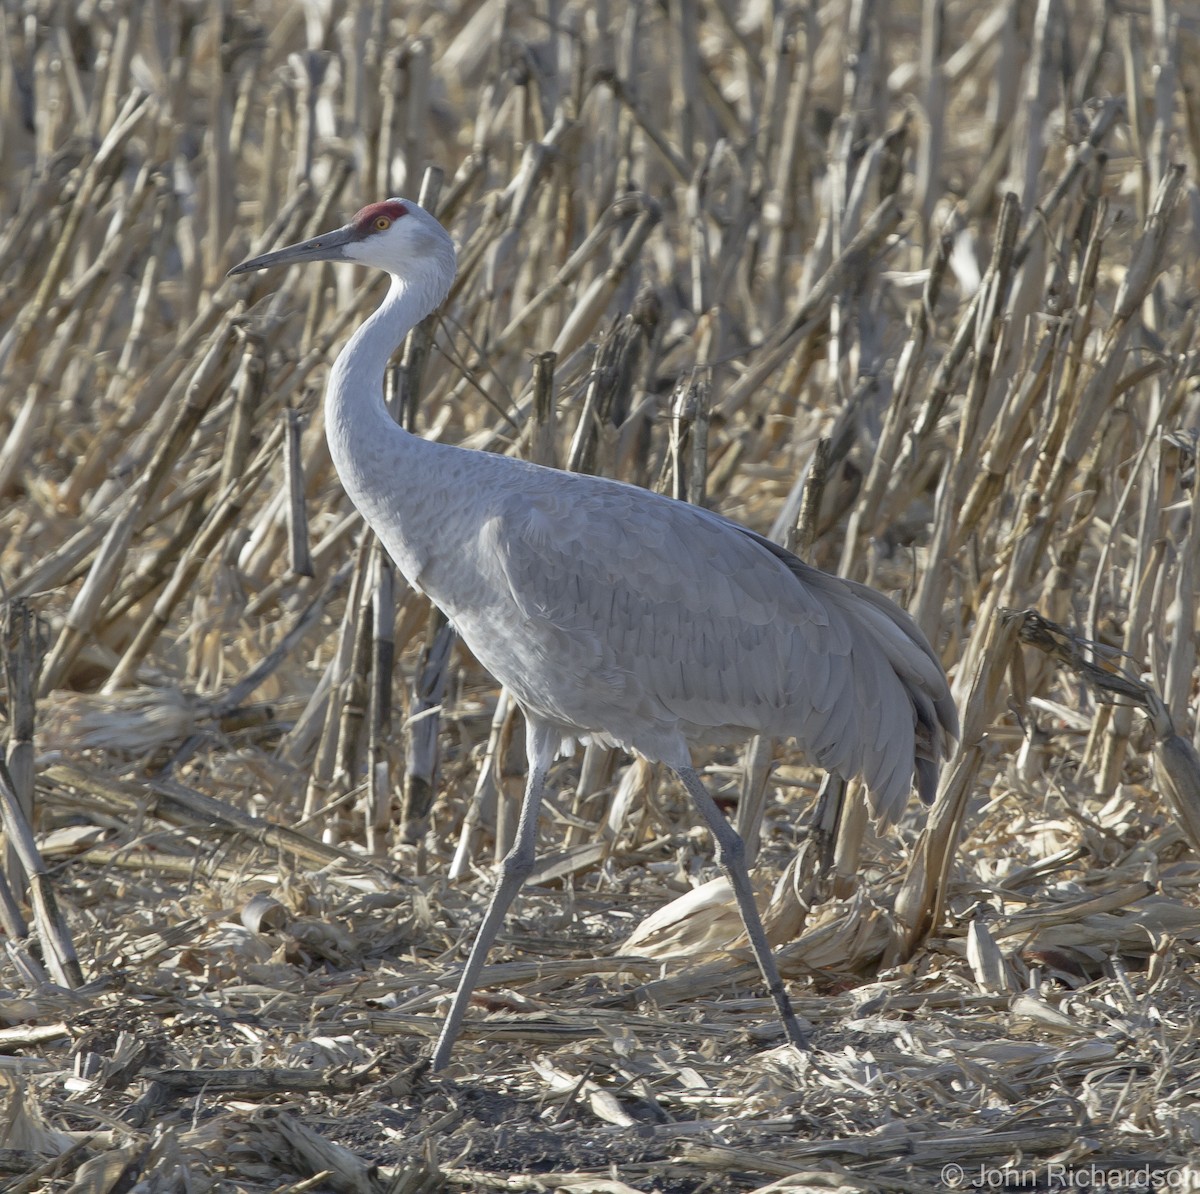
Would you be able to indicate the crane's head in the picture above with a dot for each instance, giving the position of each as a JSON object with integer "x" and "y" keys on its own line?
{"x": 396, "y": 235}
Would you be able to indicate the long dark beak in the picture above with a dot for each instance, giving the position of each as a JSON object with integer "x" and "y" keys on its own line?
{"x": 330, "y": 246}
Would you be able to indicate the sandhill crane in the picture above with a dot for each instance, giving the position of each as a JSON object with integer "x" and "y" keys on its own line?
{"x": 613, "y": 614}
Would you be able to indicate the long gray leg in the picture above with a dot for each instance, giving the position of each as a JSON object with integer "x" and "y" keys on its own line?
{"x": 541, "y": 744}
{"x": 731, "y": 858}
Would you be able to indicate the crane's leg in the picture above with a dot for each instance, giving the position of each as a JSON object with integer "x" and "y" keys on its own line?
{"x": 731, "y": 858}
{"x": 541, "y": 744}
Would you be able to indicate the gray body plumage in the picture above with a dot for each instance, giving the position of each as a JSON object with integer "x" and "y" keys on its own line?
{"x": 620, "y": 616}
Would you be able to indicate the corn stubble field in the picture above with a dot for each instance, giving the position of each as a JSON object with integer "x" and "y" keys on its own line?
{"x": 913, "y": 289}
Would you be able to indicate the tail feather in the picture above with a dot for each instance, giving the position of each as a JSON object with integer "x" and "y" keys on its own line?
{"x": 893, "y": 634}
{"x": 935, "y": 718}
{"x": 927, "y": 779}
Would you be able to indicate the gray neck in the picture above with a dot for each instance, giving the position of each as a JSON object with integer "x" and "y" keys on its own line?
{"x": 382, "y": 467}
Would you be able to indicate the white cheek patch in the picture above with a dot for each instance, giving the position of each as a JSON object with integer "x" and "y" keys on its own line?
{"x": 354, "y": 251}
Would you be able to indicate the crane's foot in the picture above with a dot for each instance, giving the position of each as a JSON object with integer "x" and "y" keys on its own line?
{"x": 797, "y": 1037}
{"x": 440, "y": 1057}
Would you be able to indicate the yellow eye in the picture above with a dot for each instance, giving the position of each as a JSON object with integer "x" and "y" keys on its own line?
{"x": 382, "y": 222}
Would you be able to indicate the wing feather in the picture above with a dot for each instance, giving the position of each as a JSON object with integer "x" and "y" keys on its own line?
{"x": 656, "y": 623}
